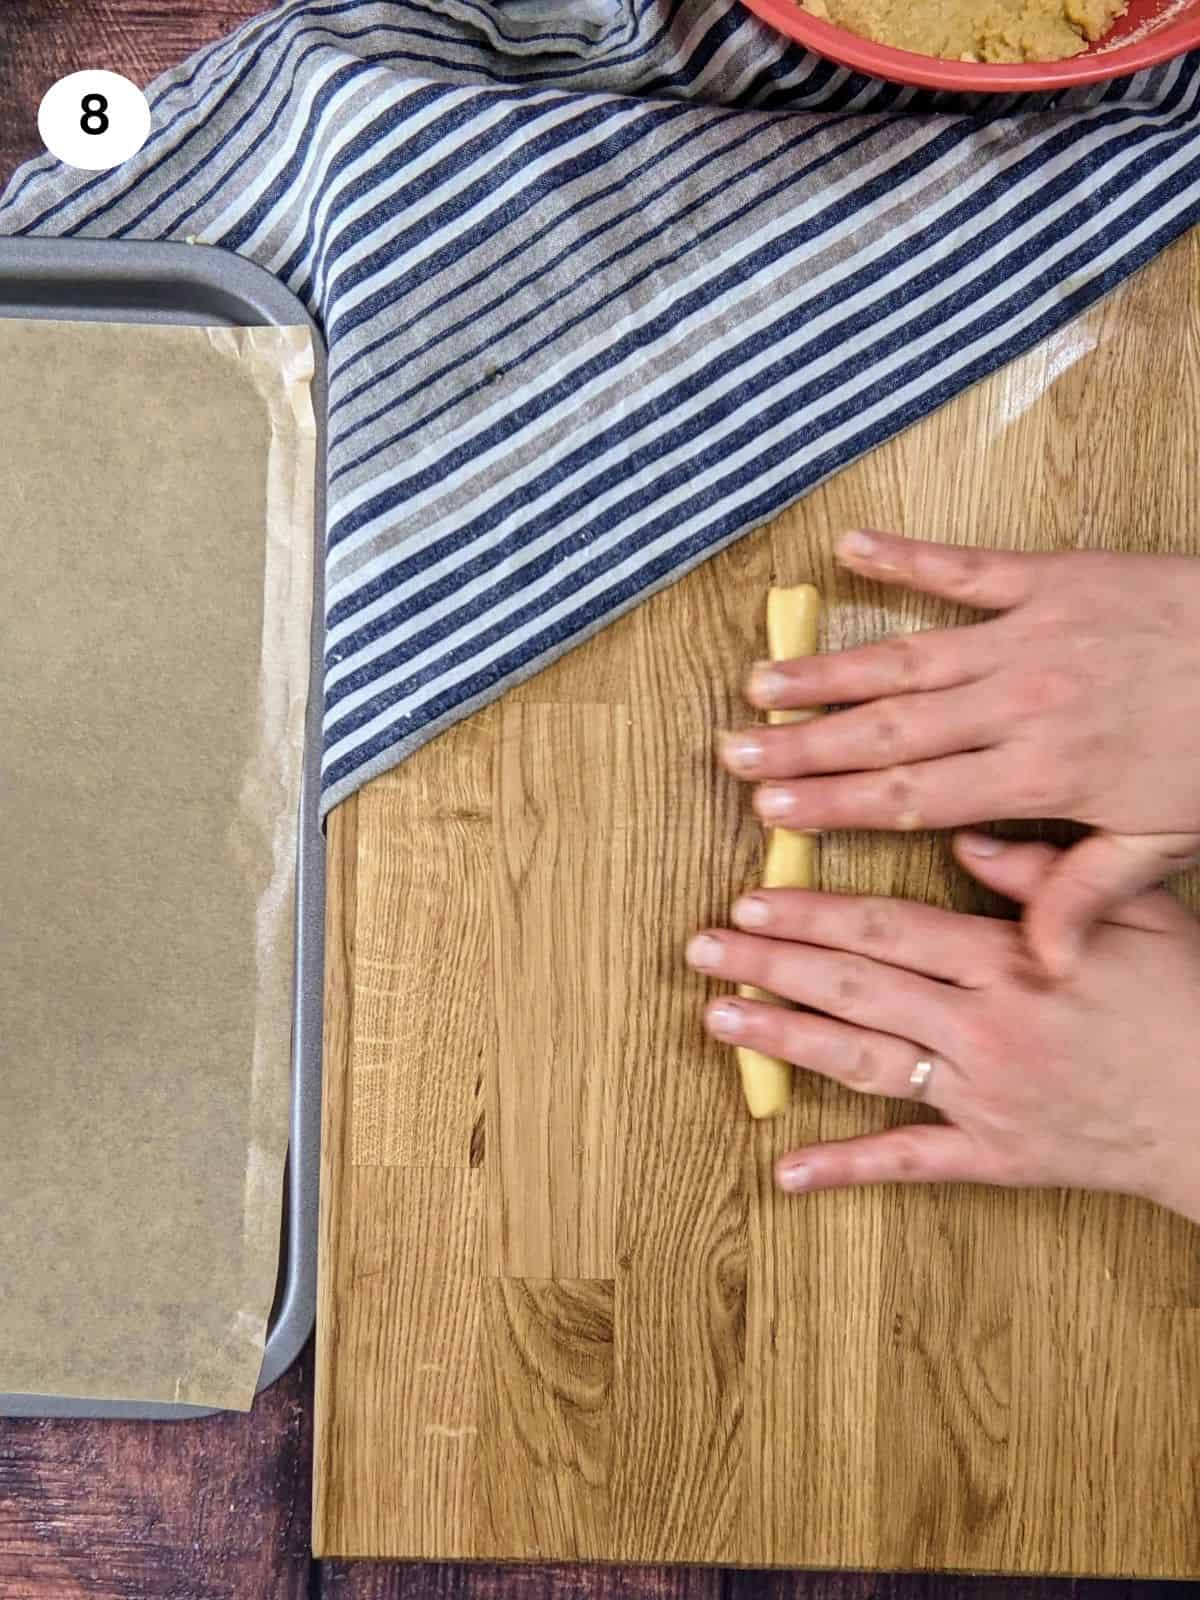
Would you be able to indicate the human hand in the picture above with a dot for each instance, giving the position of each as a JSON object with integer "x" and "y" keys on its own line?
{"x": 1080, "y": 700}
{"x": 1093, "y": 1082}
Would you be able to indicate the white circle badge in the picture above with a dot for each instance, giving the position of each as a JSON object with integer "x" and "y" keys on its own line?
{"x": 94, "y": 120}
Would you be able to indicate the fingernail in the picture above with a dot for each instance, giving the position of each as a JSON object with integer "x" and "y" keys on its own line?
{"x": 726, "y": 1019}
{"x": 705, "y": 952}
{"x": 792, "y": 1176}
{"x": 980, "y": 844}
{"x": 744, "y": 752}
{"x": 765, "y": 683}
{"x": 752, "y": 911}
{"x": 857, "y": 545}
{"x": 773, "y": 803}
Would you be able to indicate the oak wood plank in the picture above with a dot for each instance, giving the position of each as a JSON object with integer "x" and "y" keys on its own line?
{"x": 545, "y": 1453}
{"x": 424, "y": 1036}
{"x": 681, "y": 1290}
{"x": 413, "y": 1262}
{"x": 557, "y": 899}
{"x": 966, "y": 1379}
{"x": 410, "y": 1425}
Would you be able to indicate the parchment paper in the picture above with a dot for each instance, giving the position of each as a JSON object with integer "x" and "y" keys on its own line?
{"x": 156, "y": 506}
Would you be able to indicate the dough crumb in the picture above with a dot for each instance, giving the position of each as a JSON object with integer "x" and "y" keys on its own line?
{"x": 976, "y": 30}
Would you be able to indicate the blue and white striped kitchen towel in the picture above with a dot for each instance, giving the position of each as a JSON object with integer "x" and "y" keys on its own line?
{"x": 606, "y": 284}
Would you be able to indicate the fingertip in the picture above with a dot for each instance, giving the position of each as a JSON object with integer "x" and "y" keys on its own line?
{"x": 705, "y": 951}
{"x": 978, "y": 846}
{"x": 725, "y": 1018}
{"x": 773, "y": 803}
{"x": 793, "y": 1174}
{"x": 859, "y": 547}
{"x": 765, "y": 685}
{"x": 983, "y": 856}
{"x": 1009, "y": 867}
{"x": 742, "y": 752}
{"x": 751, "y": 911}
{"x": 856, "y": 543}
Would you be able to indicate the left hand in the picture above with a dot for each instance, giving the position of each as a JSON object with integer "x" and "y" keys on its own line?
{"x": 1093, "y": 1082}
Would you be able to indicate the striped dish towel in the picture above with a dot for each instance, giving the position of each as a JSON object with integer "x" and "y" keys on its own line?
{"x": 605, "y": 284}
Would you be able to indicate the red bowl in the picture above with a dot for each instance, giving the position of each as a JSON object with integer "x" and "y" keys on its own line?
{"x": 1150, "y": 32}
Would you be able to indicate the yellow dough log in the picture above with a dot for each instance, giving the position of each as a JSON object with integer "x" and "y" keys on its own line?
{"x": 792, "y": 616}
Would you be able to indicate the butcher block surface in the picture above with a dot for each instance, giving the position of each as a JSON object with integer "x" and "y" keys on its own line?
{"x": 563, "y": 1312}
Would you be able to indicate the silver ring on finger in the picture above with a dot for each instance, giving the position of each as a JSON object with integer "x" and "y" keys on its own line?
{"x": 920, "y": 1078}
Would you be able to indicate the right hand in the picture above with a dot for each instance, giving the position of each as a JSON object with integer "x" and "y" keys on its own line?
{"x": 1080, "y": 700}
{"x": 1092, "y": 1083}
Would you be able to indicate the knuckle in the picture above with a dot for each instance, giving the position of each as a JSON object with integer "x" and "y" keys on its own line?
{"x": 905, "y": 1155}
{"x": 962, "y": 574}
{"x": 903, "y": 661}
{"x": 848, "y": 989}
{"x": 885, "y": 736}
{"x": 863, "y": 1072}
{"x": 877, "y": 924}
{"x": 978, "y": 1038}
{"x": 851, "y": 980}
{"x": 898, "y": 797}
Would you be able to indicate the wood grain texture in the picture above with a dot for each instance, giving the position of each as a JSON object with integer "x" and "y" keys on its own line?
{"x": 92, "y": 1510}
{"x": 418, "y": 842}
{"x": 681, "y": 1287}
{"x": 216, "y": 1509}
{"x": 934, "y": 1379}
{"x": 545, "y": 1416}
{"x": 372, "y": 1580}
{"x": 559, "y": 987}
{"x": 42, "y": 40}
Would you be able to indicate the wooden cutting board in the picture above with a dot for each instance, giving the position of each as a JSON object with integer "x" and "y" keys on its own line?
{"x": 563, "y": 1312}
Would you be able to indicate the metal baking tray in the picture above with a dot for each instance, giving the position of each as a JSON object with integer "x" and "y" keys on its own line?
{"x": 87, "y": 281}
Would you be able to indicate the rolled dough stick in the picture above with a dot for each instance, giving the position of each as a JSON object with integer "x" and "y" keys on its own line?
{"x": 792, "y": 616}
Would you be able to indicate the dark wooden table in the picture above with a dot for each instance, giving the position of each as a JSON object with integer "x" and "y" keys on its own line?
{"x": 219, "y": 1509}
